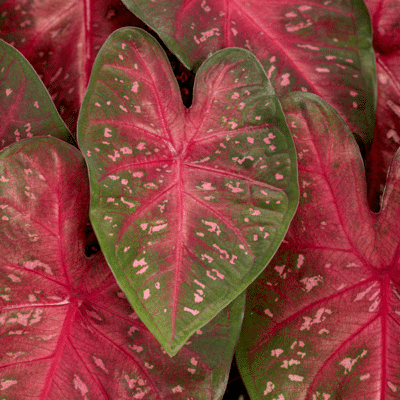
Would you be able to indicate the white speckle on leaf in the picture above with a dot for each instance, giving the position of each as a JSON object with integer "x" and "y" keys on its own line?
{"x": 323, "y": 70}
{"x": 222, "y": 251}
{"x": 319, "y": 317}
{"x": 308, "y": 46}
{"x": 5, "y": 384}
{"x": 99, "y": 362}
{"x": 126, "y": 150}
{"x": 270, "y": 387}
{"x": 80, "y": 385}
{"x": 280, "y": 269}
{"x": 233, "y": 124}
{"x": 207, "y": 34}
{"x": 297, "y": 27}
{"x": 123, "y": 108}
{"x": 193, "y": 312}
{"x": 131, "y": 205}
{"x": 234, "y": 189}
{"x": 285, "y": 79}
{"x": 268, "y": 312}
{"x": 8, "y": 92}
{"x": 392, "y": 387}
{"x": 177, "y": 389}
{"x": 214, "y": 227}
{"x": 197, "y": 298}
{"x": 146, "y": 294}
{"x": 198, "y": 283}
{"x": 206, "y": 186}
{"x": 296, "y": 378}
{"x": 115, "y": 156}
{"x": 35, "y": 264}
{"x": 311, "y": 282}
{"x": 276, "y": 353}
{"x": 278, "y": 176}
{"x": 300, "y": 261}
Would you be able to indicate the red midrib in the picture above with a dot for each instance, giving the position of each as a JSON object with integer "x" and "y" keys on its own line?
{"x": 179, "y": 246}
{"x": 59, "y": 348}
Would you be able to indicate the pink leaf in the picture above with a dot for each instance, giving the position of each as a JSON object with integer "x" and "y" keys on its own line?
{"x": 26, "y": 109}
{"x": 323, "y": 47}
{"x": 385, "y": 16}
{"x": 61, "y": 38}
{"x": 188, "y": 205}
{"x": 322, "y": 319}
{"x": 67, "y": 330}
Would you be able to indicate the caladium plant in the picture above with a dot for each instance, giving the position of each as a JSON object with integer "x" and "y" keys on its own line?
{"x": 309, "y": 46}
{"x": 328, "y": 304}
{"x": 297, "y": 45}
{"x": 67, "y": 330}
{"x": 188, "y": 205}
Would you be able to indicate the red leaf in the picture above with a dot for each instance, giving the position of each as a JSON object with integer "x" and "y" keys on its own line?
{"x": 324, "y": 47}
{"x": 188, "y": 205}
{"x": 66, "y": 329}
{"x": 26, "y": 109}
{"x": 61, "y": 38}
{"x": 322, "y": 319}
{"x": 385, "y": 16}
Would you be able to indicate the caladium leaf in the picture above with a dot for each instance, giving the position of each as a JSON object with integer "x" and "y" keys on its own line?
{"x": 385, "y": 16}
{"x": 322, "y": 320}
{"x": 26, "y": 109}
{"x": 61, "y": 38}
{"x": 66, "y": 329}
{"x": 323, "y": 47}
{"x": 188, "y": 205}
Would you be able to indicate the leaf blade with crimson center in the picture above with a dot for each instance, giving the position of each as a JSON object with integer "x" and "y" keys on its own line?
{"x": 323, "y": 47}
{"x": 66, "y": 329}
{"x": 188, "y": 205}
{"x": 324, "y": 314}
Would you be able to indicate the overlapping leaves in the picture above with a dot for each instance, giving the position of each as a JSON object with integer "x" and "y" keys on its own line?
{"x": 323, "y": 46}
{"x": 67, "y": 330}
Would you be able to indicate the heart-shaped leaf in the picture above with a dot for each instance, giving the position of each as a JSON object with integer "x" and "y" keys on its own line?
{"x": 26, "y": 109}
{"x": 322, "y": 321}
{"x": 188, "y": 205}
{"x": 324, "y": 47}
{"x": 66, "y": 329}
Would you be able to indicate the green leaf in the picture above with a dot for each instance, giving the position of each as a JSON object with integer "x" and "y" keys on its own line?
{"x": 190, "y": 205}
